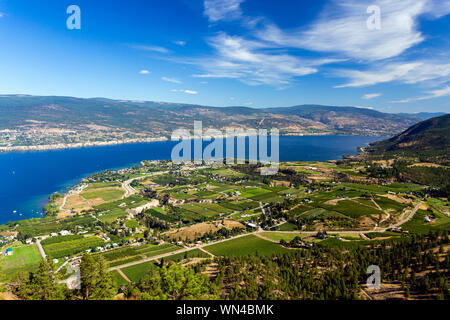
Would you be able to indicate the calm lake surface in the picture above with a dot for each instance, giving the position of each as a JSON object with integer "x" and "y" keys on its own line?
{"x": 29, "y": 178}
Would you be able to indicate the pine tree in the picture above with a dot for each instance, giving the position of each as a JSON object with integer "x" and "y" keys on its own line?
{"x": 96, "y": 281}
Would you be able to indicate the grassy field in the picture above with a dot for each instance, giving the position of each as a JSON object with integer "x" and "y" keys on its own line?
{"x": 109, "y": 212}
{"x": 244, "y": 246}
{"x": 24, "y": 258}
{"x": 138, "y": 271}
{"x": 253, "y": 192}
{"x": 126, "y": 255}
{"x": 36, "y": 226}
{"x": 351, "y": 209}
{"x": 118, "y": 280}
{"x": 287, "y": 227}
{"x": 277, "y": 236}
{"x": 394, "y": 187}
{"x": 196, "y": 253}
{"x": 206, "y": 209}
{"x": 132, "y": 224}
{"x": 418, "y": 225}
{"x": 106, "y": 194}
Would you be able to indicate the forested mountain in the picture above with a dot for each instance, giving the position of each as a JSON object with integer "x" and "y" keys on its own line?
{"x": 429, "y": 141}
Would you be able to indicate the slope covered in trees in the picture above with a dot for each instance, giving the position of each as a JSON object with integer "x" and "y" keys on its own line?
{"x": 428, "y": 141}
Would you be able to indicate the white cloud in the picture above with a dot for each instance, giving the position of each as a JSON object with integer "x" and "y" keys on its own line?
{"x": 342, "y": 29}
{"x": 406, "y": 72}
{"x": 254, "y": 62}
{"x": 264, "y": 55}
{"x": 371, "y": 95}
{"x": 185, "y": 91}
{"x": 144, "y": 72}
{"x": 364, "y": 107}
{"x": 431, "y": 94}
{"x": 151, "y": 48}
{"x": 1, "y": 15}
{"x": 180, "y": 43}
{"x": 226, "y": 10}
{"x": 172, "y": 80}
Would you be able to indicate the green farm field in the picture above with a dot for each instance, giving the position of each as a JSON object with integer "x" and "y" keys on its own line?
{"x": 106, "y": 194}
{"x": 277, "y": 236}
{"x": 138, "y": 271}
{"x": 24, "y": 258}
{"x": 70, "y": 247}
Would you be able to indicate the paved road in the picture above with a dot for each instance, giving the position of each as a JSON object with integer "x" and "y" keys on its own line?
{"x": 362, "y": 232}
{"x": 129, "y": 190}
{"x": 200, "y": 246}
{"x": 411, "y": 215}
{"x": 41, "y": 250}
{"x": 186, "y": 249}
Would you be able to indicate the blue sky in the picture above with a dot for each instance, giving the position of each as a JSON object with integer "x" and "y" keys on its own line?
{"x": 256, "y": 53}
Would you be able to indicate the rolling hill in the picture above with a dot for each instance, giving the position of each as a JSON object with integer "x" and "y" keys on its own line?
{"x": 49, "y": 120}
{"x": 428, "y": 140}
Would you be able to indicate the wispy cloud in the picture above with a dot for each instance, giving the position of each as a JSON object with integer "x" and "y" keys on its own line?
{"x": 226, "y": 10}
{"x": 254, "y": 62}
{"x": 144, "y": 72}
{"x": 342, "y": 29}
{"x": 184, "y": 91}
{"x": 151, "y": 48}
{"x": 364, "y": 107}
{"x": 172, "y": 80}
{"x": 431, "y": 95}
{"x": 406, "y": 72}
{"x": 1, "y": 14}
{"x": 371, "y": 95}
{"x": 180, "y": 43}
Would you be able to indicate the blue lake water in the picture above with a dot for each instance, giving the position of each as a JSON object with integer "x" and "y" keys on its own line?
{"x": 29, "y": 178}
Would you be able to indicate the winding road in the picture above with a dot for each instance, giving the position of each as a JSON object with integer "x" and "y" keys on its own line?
{"x": 129, "y": 190}
{"x": 257, "y": 233}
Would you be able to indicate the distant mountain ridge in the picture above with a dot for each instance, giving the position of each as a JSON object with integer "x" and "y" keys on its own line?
{"x": 422, "y": 115}
{"x": 41, "y": 120}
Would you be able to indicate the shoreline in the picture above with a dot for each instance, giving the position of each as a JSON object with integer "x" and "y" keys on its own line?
{"x": 79, "y": 145}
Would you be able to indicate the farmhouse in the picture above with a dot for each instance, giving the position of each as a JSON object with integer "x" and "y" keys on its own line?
{"x": 8, "y": 252}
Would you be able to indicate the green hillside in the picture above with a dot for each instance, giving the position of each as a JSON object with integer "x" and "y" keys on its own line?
{"x": 428, "y": 141}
